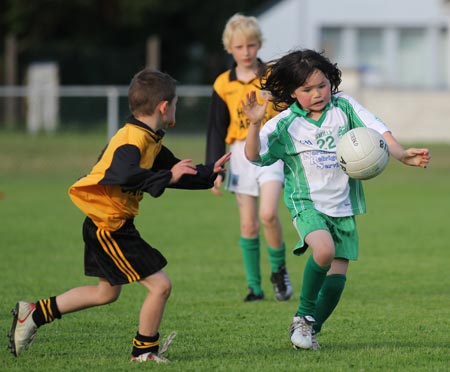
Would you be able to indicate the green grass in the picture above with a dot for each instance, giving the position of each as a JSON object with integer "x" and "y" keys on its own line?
{"x": 394, "y": 314}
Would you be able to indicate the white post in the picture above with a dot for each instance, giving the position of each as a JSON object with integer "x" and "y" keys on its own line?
{"x": 113, "y": 110}
{"x": 42, "y": 97}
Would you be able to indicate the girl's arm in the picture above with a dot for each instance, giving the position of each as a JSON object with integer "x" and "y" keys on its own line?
{"x": 412, "y": 156}
{"x": 253, "y": 144}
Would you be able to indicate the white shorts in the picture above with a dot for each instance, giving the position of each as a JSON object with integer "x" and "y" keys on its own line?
{"x": 246, "y": 178}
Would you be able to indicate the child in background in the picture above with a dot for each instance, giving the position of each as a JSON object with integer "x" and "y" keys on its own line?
{"x": 133, "y": 162}
{"x": 321, "y": 198}
{"x": 228, "y": 124}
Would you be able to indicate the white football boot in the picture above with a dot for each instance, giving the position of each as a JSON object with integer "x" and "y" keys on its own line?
{"x": 23, "y": 329}
{"x": 301, "y": 332}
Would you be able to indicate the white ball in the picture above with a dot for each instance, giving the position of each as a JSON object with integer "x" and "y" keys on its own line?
{"x": 362, "y": 153}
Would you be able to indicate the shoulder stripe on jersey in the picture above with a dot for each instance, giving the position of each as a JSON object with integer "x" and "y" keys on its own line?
{"x": 346, "y": 106}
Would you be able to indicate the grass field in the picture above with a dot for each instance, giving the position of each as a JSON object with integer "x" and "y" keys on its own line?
{"x": 394, "y": 314}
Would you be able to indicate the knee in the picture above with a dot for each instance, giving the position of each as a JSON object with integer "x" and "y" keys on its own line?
{"x": 249, "y": 228}
{"x": 163, "y": 289}
{"x": 324, "y": 258}
{"x": 108, "y": 296}
{"x": 269, "y": 218}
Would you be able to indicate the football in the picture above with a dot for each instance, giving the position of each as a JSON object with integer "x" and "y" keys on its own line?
{"x": 362, "y": 153}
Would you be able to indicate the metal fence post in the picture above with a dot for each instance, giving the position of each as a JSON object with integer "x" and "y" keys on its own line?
{"x": 113, "y": 110}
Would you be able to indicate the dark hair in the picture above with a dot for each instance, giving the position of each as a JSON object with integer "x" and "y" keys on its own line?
{"x": 291, "y": 71}
{"x": 148, "y": 88}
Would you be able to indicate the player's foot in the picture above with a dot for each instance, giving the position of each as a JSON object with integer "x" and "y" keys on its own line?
{"x": 315, "y": 343}
{"x": 251, "y": 297}
{"x": 301, "y": 332}
{"x": 23, "y": 329}
{"x": 149, "y": 357}
{"x": 281, "y": 284}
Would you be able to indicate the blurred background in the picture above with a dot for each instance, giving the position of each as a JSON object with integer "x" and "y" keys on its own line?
{"x": 65, "y": 66}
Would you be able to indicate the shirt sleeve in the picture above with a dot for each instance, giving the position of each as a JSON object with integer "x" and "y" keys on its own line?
{"x": 204, "y": 179}
{"x": 271, "y": 148}
{"x": 125, "y": 170}
{"x": 218, "y": 122}
{"x": 359, "y": 116}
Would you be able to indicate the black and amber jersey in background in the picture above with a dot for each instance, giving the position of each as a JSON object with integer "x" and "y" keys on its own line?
{"x": 227, "y": 121}
{"x": 133, "y": 162}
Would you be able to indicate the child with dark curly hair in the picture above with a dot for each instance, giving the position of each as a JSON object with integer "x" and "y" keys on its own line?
{"x": 321, "y": 198}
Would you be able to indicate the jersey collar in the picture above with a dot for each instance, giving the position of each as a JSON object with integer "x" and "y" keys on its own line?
{"x": 296, "y": 109}
{"x": 158, "y": 135}
{"x": 233, "y": 75}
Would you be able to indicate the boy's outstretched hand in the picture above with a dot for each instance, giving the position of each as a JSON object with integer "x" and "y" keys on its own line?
{"x": 219, "y": 164}
{"x": 218, "y": 168}
{"x": 181, "y": 168}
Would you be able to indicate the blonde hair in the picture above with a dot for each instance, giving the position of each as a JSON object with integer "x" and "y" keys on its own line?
{"x": 245, "y": 25}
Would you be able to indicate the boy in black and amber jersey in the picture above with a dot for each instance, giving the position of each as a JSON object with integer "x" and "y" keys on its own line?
{"x": 133, "y": 163}
{"x": 257, "y": 190}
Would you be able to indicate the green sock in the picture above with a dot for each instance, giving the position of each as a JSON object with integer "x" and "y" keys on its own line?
{"x": 328, "y": 298}
{"x": 277, "y": 257}
{"x": 251, "y": 255}
{"x": 313, "y": 278}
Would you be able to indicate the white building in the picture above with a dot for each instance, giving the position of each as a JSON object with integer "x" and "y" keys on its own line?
{"x": 392, "y": 43}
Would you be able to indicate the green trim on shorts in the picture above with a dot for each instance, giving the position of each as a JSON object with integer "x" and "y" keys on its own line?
{"x": 342, "y": 229}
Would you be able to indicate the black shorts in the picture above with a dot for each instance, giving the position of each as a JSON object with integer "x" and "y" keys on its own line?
{"x": 120, "y": 256}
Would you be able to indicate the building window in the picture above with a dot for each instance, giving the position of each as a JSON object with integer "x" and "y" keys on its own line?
{"x": 412, "y": 57}
{"x": 443, "y": 58}
{"x": 370, "y": 56}
{"x": 332, "y": 44}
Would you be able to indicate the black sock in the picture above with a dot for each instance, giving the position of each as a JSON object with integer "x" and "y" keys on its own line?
{"x": 145, "y": 344}
{"x": 46, "y": 311}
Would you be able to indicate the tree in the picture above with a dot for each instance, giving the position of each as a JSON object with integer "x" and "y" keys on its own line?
{"x": 103, "y": 41}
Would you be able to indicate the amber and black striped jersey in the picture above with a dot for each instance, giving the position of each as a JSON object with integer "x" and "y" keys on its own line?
{"x": 133, "y": 162}
{"x": 227, "y": 121}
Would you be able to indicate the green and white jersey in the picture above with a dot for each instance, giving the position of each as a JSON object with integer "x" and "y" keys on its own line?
{"x": 313, "y": 178}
